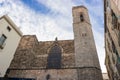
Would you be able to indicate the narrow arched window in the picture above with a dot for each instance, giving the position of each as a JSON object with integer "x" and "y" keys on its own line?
{"x": 54, "y": 57}
{"x": 81, "y": 18}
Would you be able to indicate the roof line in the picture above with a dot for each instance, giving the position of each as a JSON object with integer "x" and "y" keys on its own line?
{"x": 12, "y": 24}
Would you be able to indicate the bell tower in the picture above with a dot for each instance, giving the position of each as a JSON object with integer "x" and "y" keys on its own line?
{"x": 86, "y": 58}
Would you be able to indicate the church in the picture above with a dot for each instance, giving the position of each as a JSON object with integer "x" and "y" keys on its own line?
{"x": 60, "y": 59}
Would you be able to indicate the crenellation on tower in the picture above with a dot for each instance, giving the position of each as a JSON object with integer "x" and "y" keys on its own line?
{"x": 81, "y": 6}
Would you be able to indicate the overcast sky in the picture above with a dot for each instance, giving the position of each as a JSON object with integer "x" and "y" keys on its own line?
{"x": 48, "y": 19}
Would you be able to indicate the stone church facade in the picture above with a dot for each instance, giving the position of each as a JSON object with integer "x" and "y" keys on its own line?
{"x": 60, "y": 59}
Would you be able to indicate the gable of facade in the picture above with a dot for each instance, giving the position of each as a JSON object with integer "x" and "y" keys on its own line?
{"x": 36, "y": 55}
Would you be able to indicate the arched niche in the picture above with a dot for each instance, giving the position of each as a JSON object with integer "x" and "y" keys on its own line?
{"x": 54, "y": 57}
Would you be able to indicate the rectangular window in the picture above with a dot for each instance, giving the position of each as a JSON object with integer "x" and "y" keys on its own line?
{"x": 114, "y": 20}
{"x": 8, "y": 28}
{"x": 109, "y": 46}
{"x": 113, "y": 59}
{"x": 119, "y": 38}
{"x": 118, "y": 64}
{"x": 113, "y": 47}
{"x": 119, "y": 26}
{"x": 2, "y": 40}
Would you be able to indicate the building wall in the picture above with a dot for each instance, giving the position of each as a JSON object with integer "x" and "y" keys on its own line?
{"x": 11, "y": 43}
{"x": 33, "y": 54}
{"x": 117, "y": 3}
{"x": 112, "y": 34}
{"x": 105, "y": 76}
{"x": 55, "y": 74}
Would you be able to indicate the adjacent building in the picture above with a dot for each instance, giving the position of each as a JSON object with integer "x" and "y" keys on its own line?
{"x": 117, "y": 3}
{"x": 112, "y": 38}
{"x": 105, "y": 76}
{"x": 60, "y": 59}
{"x": 10, "y": 36}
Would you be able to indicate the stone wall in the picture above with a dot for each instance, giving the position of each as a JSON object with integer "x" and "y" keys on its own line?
{"x": 33, "y": 54}
{"x": 89, "y": 74}
{"x": 86, "y": 58}
{"x": 54, "y": 74}
{"x": 24, "y": 53}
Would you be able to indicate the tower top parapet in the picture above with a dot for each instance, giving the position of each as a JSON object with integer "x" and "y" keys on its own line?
{"x": 75, "y": 7}
{"x": 80, "y": 14}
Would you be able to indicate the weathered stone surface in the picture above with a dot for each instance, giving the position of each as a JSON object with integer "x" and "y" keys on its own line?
{"x": 112, "y": 38}
{"x": 33, "y": 54}
{"x": 86, "y": 58}
{"x": 55, "y": 74}
{"x": 91, "y": 73}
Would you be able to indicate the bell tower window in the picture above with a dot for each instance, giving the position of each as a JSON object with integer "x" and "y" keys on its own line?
{"x": 81, "y": 18}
